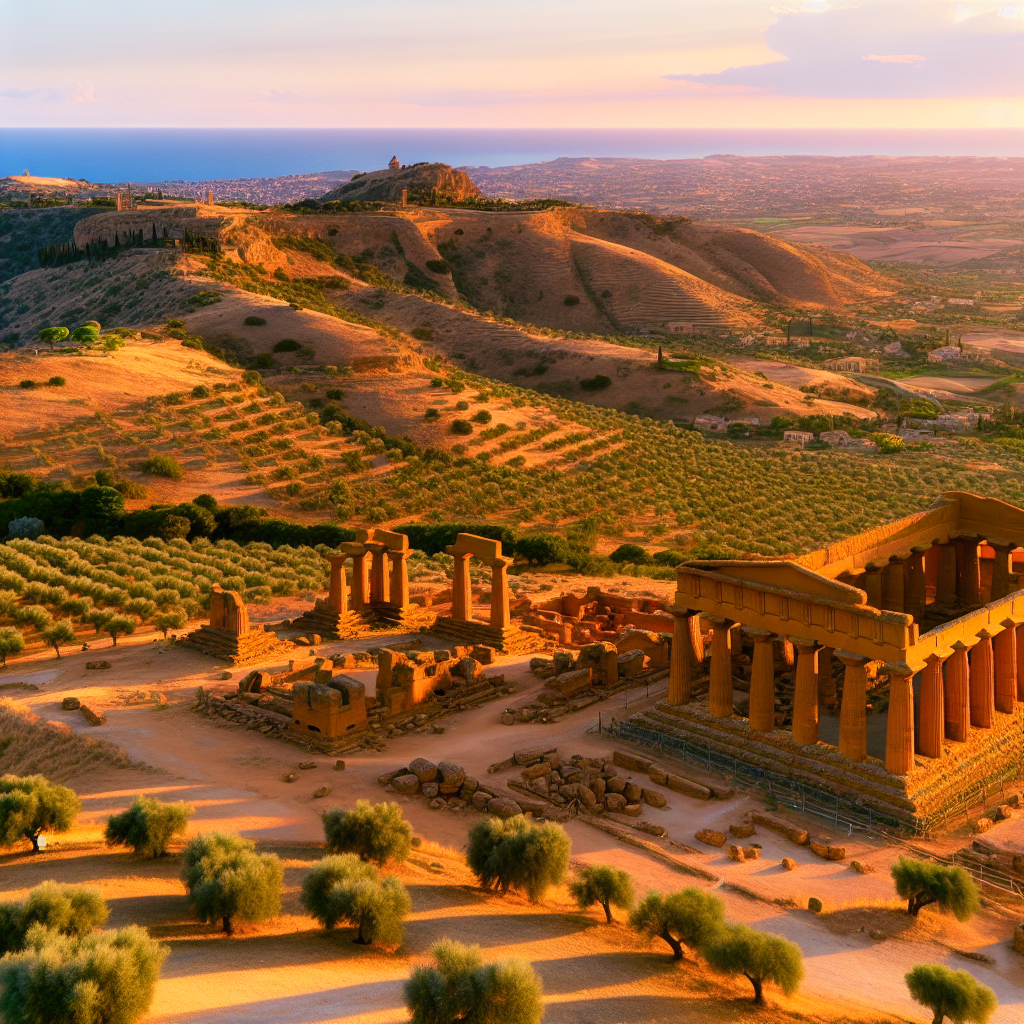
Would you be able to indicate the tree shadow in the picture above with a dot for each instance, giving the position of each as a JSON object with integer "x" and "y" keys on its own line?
{"x": 562, "y": 975}
{"x": 486, "y": 930}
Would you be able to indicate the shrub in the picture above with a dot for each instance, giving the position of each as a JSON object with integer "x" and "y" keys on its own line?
{"x": 254, "y": 321}
{"x": 147, "y": 826}
{"x": 287, "y": 345}
{"x": 462, "y": 427}
{"x": 32, "y": 805}
{"x": 281, "y": 276}
{"x": 922, "y": 882}
{"x": 514, "y": 854}
{"x": 669, "y": 557}
{"x": 462, "y": 406}
{"x": 174, "y": 323}
{"x": 174, "y": 527}
{"x": 887, "y": 443}
{"x": 60, "y": 634}
{"x": 227, "y": 880}
{"x": 596, "y": 383}
{"x": 740, "y": 949}
{"x": 602, "y": 884}
{"x": 119, "y": 625}
{"x": 56, "y": 382}
{"x": 25, "y": 527}
{"x": 172, "y": 618}
{"x": 571, "y": 300}
{"x": 431, "y": 414}
{"x": 436, "y": 267}
{"x": 26, "y": 384}
{"x": 265, "y": 361}
{"x": 422, "y": 333}
{"x": 163, "y": 465}
{"x": 483, "y": 416}
{"x": 458, "y": 986}
{"x": 33, "y": 615}
{"x": 51, "y": 335}
{"x": 953, "y": 994}
{"x": 11, "y": 642}
{"x": 200, "y": 391}
{"x": 631, "y": 553}
{"x": 688, "y": 918}
{"x": 107, "y": 978}
{"x": 542, "y": 548}
{"x": 64, "y": 909}
{"x": 376, "y": 832}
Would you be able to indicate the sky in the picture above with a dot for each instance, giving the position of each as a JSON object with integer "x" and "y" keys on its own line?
{"x": 516, "y": 64}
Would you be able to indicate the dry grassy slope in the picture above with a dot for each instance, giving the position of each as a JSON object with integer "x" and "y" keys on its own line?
{"x": 387, "y": 185}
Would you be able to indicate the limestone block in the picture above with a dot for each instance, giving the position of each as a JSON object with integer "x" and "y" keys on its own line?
{"x": 456, "y": 803}
{"x": 736, "y": 853}
{"x": 823, "y": 847}
{"x": 571, "y": 683}
{"x": 480, "y": 800}
{"x": 752, "y": 852}
{"x": 503, "y": 807}
{"x": 814, "y": 905}
{"x": 982, "y": 825}
{"x": 339, "y": 765}
{"x": 615, "y": 785}
{"x": 529, "y": 806}
{"x": 791, "y": 832}
{"x": 631, "y": 664}
{"x": 653, "y": 798}
{"x": 437, "y": 803}
{"x": 633, "y": 810}
{"x": 1018, "y": 939}
{"x": 554, "y": 760}
{"x": 633, "y": 793}
{"x": 788, "y": 863}
{"x": 470, "y": 786}
{"x": 614, "y": 801}
{"x": 307, "y": 766}
{"x": 744, "y": 831}
{"x": 70, "y": 704}
{"x": 680, "y": 785}
{"x": 1005, "y": 811}
{"x": 528, "y": 755}
{"x": 711, "y": 837}
{"x": 599, "y": 788}
{"x": 424, "y": 770}
{"x": 469, "y": 669}
{"x": 657, "y": 775}
{"x": 483, "y": 654}
{"x": 862, "y": 868}
{"x": 93, "y": 717}
{"x": 429, "y": 789}
{"x": 451, "y": 774}
{"x": 537, "y": 770}
{"x": 406, "y": 784}
{"x": 563, "y": 661}
{"x": 634, "y": 762}
{"x": 388, "y": 777}
{"x": 508, "y": 718}
{"x": 321, "y": 792}
{"x": 97, "y": 665}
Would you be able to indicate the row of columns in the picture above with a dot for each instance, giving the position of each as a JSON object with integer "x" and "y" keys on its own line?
{"x": 379, "y": 576}
{"x": 973, "y": 687}
{"x": 462, "y": 594}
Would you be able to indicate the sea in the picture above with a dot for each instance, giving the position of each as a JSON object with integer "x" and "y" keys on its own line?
{"x": 199, "y": 154}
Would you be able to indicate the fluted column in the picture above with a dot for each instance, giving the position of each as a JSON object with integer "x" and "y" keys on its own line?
{"x": 762, "y": 681}
{"x": 893, "y": 597}
{"x": 805, "y": 693}
{"x": 1020, "y": 663}
{"x": 1004, "y": 649}
{"x": 931, "y": 573}
{"x": 958, "y": 706}
{"x": 501, "y": 616}
{"x": 932, "y": 730}
{"x": 680, "y": 672}
{"x": 1001, "y": 570}
{"x": 872, "y": 585}
{"x": 826, "y": 683}
{"x": 972, "y": 573}
{"x": 462, "y": 595}
{"x": 337, "y": 599}
{"x": 853, "y": 715}
{"x": 914, "y": 584}
{"x": 946, "y": 589}
{"x": 720, "y": 690}
{"x": 982, "y": 682}
{"x": 399, "y": 578}
{"x": 380, "y": 579}
{"x": 360, "y": 591}
{"x": 899, "y": 726}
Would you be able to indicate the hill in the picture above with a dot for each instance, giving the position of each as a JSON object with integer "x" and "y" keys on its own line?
{"x": 420, "y": 179}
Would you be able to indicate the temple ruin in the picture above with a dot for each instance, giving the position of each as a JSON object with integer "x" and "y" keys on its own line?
{"x": 885, "y": 671}
{"x": 229, "y": 635}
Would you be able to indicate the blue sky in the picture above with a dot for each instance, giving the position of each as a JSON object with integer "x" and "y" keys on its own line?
{"x": 557, "y": 63}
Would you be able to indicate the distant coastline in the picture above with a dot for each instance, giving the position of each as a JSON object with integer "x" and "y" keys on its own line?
{"x": 194, "y": 154}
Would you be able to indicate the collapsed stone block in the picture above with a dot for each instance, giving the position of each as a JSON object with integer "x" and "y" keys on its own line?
{"x": 736, "y": 853}
{"x": 633, "y": 762}
{"x": 503, "y": 807}
{"x": 93, "y": 717}
{"x": 743, "y": 831}
{"x": 424, "y": 770}
{"x": 70, "y": 704}
{"x": 711, "y": 837}
{"x": 407, "y": 784}
{"x": 653, "y": 798}
{"x": 614, "y": 801}
{"x": 793, "y": 833}
{"x": 788, "y": 863}
{"x": 752, "y": 852}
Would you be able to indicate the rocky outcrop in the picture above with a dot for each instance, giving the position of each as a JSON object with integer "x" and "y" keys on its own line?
{"x": 420, "y": 179}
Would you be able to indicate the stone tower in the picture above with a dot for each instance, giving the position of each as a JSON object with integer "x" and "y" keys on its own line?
{"x": 394, "y": 164}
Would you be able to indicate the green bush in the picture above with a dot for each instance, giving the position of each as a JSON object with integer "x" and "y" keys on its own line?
{"x": 376, "y": 832}
{"x": 596, "y": 383}
{"x": 513, "y": 854}
{"x": 461, "y": 427}
{"x": 431, "y": 414}
{"x": 287, "y": 345}
{"x": 631, "y": 553}
{"x": 57, "y": 382}
{"x": 32, "y": 805}
{"x": 175, "y": 323}
{"x": 423, "y": 333}
{"x": 228, "y": 881}
{"x": 921, "y": 882}
{"x": 64, "y": 909}
{"x": 571, "y": 300}
{"x": 458, "y": 986}
{"x": 887, "y": 443}
{"x": 953, "y": 994}
{"x": 281, "y": 276}
{"x": 254, "y": 321}
{"x": 51, "y": 335}
{"x": 483, "y": 416}
{"x": 690, "y": 918}
{"x": 26, "y": 384}
{"x": 147, "y": 826}
{"x": 163, "y": 465}
{"x": 265, "y": 361}
{"x": 200, "y": 391}
{"x": 599, "y": 883}
{"x": 437, "y": 267}
{"x": 740, "y": 949}
{"x": 108, "y": 978}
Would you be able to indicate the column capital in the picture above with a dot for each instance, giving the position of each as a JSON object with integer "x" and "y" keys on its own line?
{"x": 876, "y": 566}
{"x": 983, "y": 634}
{"x": 804, "y": 643}
{"x": 683, "y": 613}
{"x": 1010, "y": 622}
{"x": 959, "y": 645}
{"x": 921, "y": 549}
{"x": 758, "y": 635}
{"x": 719, "y": 621}
{"x": 853, "y": 659}
{"x": 935, "y": 659}
{"x": 897, "y": 668}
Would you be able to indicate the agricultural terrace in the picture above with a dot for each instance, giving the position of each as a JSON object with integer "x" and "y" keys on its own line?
{"x": 114, "y": 586}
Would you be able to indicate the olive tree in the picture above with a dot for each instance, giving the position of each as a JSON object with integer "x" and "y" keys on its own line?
{"x": 31, "y": 805}
{"x": 11, "y": 642}
{"x": 172, "y": 618}
{"x": 67, "y": 909}
{"x": 759, "y": 957}
{"x": 228, "y": 880}
{"x": 148, "y": 825}
{"x": 922, "y": 882}
{"x": 376, "y": 832}
{"x": 119, "y": 625}
{"x": 689, "y": 918}
{"x": 104, "y": 978}
{"x": 513, "y": 854}
{"x": 60, "y": 634}
{"x": 320, "y": 885}
{"x": 52, "y": 335}
{"x": 459, "y": 986}
{"x": 599, "y": 883}
{"x": 953, "y": 994}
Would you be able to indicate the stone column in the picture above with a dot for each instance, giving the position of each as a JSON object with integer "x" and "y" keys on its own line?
{"x": 360, "y": 591}
{"x": 337, "y": 601}
{"x": 380, "y": 580}
{"x": 762, "y": 681}
{"x": 853, "y": 716}
{"x": 982, "y": 682}
{"x": 959, "y": 547}
{"x": 946, "y": 588}
{"x": 462, "y": 595}
{"x": 1001, "y": 570}
{"x": 720, "y": 689}
{"x": 399, "y": 577}
{"x": 972, "y": 573}
{"x": 680, "y": 672}
{"x": 805, "y": 693}
{"x": 873, "y": 584}
{"x": 899, "y": 726}
{"x": 501, "y": 617}
{"x": 826, "y": 684}
{"x": 893, "y": 596}
{"x": 931, "y": 573}
{"x": 958, "y": 706}
{"x": 930, "y": 736}
{"x": 914, "y": 584}
{"x": 1004, "y": 649}
{"x": 1020, "y": 663}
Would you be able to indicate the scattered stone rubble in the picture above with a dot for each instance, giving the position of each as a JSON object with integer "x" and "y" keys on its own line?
{"x": 447, "y": 786}
{"x": 595, "y": 616}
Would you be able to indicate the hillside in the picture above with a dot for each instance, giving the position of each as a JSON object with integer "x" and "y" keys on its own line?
{"x": 420, "y": 179}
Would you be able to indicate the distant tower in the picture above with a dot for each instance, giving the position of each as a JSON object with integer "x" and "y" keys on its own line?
{"x": 393, "y": 164}
{"x": 209, "y": 197}
{"x": 121, "y": 205}
{"x": 27, "y": 175}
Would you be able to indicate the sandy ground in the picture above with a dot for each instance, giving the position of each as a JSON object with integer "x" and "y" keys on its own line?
{"x": 591, "y": 974}
{"x": 1006, "y": 341}
{"x": 951, "y": 385}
